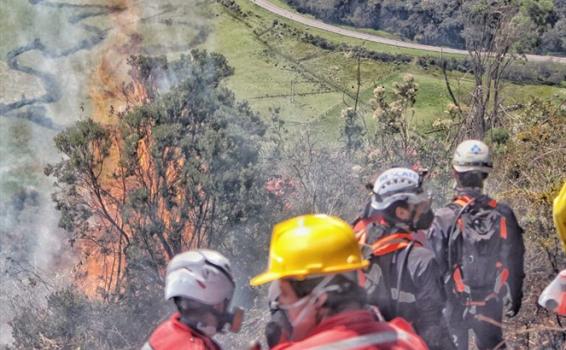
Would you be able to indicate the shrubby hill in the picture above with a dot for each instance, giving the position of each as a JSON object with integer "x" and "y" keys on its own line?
{"x": 441, "y": 22}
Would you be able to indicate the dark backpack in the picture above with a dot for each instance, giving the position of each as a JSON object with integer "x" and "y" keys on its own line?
{"x": 476, "y": 239}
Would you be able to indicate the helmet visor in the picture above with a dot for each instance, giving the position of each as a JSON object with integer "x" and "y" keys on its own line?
{"x": 416, "y": 197}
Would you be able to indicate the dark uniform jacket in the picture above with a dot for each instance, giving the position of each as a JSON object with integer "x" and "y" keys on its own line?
{"x": 419, "y": 297}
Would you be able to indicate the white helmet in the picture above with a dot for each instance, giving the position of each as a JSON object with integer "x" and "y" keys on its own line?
{"x": 202, "y": 275}
{"x": 472, "y": 155}
{"x": 397, "y": 184}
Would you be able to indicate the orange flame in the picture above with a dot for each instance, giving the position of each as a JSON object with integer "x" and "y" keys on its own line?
{"x": 111, "y": 91}
{"x": 115, "y": 89}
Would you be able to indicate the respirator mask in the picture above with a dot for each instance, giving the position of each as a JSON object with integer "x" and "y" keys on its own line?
{"x": 426, "y": 215}
{"x": 230, "y": 320}
{"x": 306, "y": 305}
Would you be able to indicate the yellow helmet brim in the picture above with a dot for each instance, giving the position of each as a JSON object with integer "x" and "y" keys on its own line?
{"x": 268, "y": 276}
{"x": 264, "y": 278}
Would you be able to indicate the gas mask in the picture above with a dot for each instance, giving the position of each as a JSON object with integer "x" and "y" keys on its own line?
{"x": 233, "y": 318}
{"x": 426, "y": 216}
{"x": 278, "y": 329}
{"x": 425, "y": 220}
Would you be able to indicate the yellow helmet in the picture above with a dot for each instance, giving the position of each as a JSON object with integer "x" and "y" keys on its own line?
{"x": 311, "y": 245}
{"x": 559, "y": 215}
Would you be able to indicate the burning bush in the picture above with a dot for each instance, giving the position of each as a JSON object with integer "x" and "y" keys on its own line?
{"x": 181, "y": 171}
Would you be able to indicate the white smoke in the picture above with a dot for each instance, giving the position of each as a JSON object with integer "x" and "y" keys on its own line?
{"x": 48, "y": 57}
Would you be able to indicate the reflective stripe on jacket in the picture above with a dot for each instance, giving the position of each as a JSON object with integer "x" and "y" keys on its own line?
{"x": 358, "y": 330}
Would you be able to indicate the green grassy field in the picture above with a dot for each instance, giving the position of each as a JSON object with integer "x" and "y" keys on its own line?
{"x": 311, "y": 86}
{"x": 273, "y": 69}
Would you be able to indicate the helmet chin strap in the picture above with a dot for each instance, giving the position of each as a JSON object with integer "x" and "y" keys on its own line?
{"x": 315, "y": 293}
{"x": 308, "y": 300}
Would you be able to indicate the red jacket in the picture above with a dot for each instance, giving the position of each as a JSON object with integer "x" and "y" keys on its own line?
{"x": 175, "y": 335}
{"x": 359, "y": 330}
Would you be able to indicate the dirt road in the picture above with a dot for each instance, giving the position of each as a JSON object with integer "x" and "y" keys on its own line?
{"x": 374, "y": 38}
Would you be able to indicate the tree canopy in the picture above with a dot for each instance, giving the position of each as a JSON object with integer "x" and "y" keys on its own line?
{"x": 441, "y": 22}
{"x": 178, "y": 172}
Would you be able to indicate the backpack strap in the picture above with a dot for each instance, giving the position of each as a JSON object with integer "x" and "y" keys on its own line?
{"x": 403, "y": 256}
{"x": 361, "y": 226}
{"x": 391, "y": 243}
{"x": 461, "y": 203}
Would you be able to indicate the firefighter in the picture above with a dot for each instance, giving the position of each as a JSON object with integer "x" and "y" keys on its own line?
{"x": 201, "y": 285}
{"x": 554, "y": 295}
{"x": 404, "y": 279}
{"x": 314, "y": 262}
{"x": 559, "y": 215}
{"x": 479, "y": 247}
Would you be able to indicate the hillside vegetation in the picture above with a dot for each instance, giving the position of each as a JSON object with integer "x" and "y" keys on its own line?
{"x": 310, "y": 76}
{"x": 439, "y": 22}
